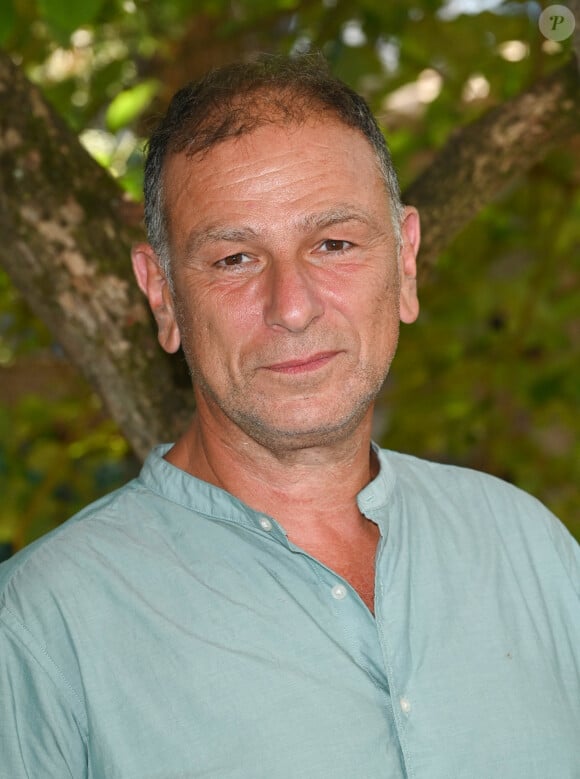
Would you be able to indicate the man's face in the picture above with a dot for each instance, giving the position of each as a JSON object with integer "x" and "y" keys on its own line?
{"x": 288, "y": 289}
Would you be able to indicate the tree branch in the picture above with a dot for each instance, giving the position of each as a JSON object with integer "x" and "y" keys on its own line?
{"x": 479, "y": 160}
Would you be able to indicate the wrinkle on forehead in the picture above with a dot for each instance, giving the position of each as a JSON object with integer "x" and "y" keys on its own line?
{"x": 275, "y": 167}
{"x": 243, "y": 147}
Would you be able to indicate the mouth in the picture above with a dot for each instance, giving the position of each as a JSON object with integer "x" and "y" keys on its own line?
{"x": 303, "y": 364}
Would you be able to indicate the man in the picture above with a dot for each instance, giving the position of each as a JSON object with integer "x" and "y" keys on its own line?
{"x": 275, "y": 596}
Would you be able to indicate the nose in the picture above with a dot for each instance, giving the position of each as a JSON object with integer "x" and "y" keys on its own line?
{"x": 293, "y": 298}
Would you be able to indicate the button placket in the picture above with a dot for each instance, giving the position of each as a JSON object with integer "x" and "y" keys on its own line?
{"x": 338, "y": 591}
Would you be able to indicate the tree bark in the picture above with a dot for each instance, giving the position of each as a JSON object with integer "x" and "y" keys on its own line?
{"x": 66, "y": 245}
{"x": 481, "y": 159}
{"x": 66, "y": 239}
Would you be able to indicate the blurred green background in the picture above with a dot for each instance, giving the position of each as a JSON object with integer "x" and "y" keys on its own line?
{"x": 489, "y": 377}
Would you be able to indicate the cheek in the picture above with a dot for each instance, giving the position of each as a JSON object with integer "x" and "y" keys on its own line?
{"x": 215, "y": 331}
{"x": 381, "y": 325}
{"x": 379, "y": 307}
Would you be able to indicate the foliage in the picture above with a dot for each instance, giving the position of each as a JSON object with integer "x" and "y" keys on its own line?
{"x": 497, "y": 347}
{"x": 489, "y": 376}
{"x": 57, "y": 447}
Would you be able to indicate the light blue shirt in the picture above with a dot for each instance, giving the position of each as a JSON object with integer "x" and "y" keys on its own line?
{"x": 169, "y": 631}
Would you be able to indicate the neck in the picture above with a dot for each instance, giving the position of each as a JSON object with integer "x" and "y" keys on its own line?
{"x": 310, "y": 492}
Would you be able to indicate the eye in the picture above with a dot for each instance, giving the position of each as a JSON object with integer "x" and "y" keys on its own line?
{"x": 335, "y": 245}
{"x": 233, "y": 261}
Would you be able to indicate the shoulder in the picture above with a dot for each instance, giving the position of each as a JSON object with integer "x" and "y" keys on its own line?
{"x": 54, "y": 566}
{"x": 102, "y": 510}
{"x": 49, "y": 591}
{"x": 482, "y": 509}
{"x": 113, "y": 545}
{"x": 463, "y": 487}
{"x": 94, "y": 531}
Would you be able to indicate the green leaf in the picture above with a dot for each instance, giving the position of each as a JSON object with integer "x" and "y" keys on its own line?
{"x": 65, "y": 16}
{"x": 130, "y": 103}
{"x": 7, "y": 20}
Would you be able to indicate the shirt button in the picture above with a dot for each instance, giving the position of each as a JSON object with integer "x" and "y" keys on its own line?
{"x": 265, "y": 523}
{"x": 405, "y": 704}
{"x": 339, "y": 591}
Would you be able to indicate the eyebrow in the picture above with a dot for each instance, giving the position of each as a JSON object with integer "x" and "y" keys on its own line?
{"x": 336, "y": 215}
{"x": 198, "y": 238}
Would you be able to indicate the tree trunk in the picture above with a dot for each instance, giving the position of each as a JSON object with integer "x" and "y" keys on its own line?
{"x": 66, "y": 245}
{"x": 66, "y": 239}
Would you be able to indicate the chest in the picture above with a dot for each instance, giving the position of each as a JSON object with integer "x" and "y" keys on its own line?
{"x": 206, "y": 656}
{"x": 353, "y": 559}
{"x": 361, "y": 577}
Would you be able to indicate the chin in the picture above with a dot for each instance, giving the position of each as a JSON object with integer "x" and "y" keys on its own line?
{"x": 282, "y": 424}
{"x": 279, "y": 435}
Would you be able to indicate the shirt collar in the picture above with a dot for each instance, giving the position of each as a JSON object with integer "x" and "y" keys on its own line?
{"x": 180, "y": 487}
{"x": 375, "y": 497}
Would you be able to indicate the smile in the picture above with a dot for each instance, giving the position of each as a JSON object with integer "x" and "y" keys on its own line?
{"x": 303, "y": 364}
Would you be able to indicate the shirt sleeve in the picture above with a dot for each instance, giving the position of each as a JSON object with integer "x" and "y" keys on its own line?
{"x": 42, "y": 731}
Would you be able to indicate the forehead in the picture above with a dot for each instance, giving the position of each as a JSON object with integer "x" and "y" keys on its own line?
{"x": 274, "y": 170}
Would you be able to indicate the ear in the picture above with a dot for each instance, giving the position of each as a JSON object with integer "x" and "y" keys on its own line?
{"x": 154, "y": 285}
{"x": 410, "y": 240}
